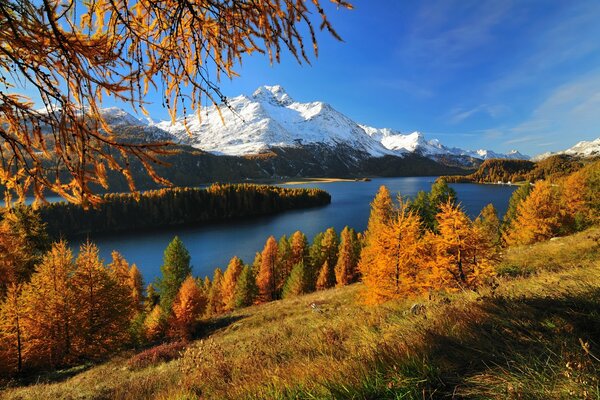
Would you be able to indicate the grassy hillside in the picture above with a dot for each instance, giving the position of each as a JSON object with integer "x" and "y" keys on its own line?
{"x": 536, "y": 335}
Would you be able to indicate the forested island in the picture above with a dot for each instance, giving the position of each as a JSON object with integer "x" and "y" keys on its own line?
{"x": 176, "y": 207}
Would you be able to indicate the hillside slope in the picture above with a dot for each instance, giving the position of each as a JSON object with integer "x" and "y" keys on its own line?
{"x": 537, "y": 335}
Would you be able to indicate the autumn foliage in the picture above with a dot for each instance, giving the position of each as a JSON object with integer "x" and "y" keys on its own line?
{"x": 74, "y": 54}
{"x": 402, "y": 258}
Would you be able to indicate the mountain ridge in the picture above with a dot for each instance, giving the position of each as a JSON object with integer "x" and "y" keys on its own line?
{"x": 271, "y": 118}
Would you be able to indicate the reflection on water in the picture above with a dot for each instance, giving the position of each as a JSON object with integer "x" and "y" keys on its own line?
{"x": 213, "y": 245}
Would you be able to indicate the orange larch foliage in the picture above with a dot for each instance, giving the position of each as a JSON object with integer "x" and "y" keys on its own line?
{"x": 232, "y": 273}
{"x": 265, "y": 279}
{"x": 539, "y": 217}
{"x": 382, "y": 210}
{"x": 349, "y": 253}
{"x": 12, "y": 340}
{"x": 397, "y": 268}
{"x": 136, "y": 286}
{"x": 463, "y": 258}
{"x": 215, "y": 295}
{"x": 189, "y": 305}
{"x": 324, "y": 280}
{"x": 103, "y": 306}
{"x": 299, "y": 245}
{"x": 155, "y": 324}
{"x": 50, "y": 309}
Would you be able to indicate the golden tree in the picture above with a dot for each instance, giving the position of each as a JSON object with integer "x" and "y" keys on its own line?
{"x": 324, "y": 279}
{"x": 155, "y": 324}
{"x": 230, "y": 278}
{"x": 188, "y": 306}
{"x": 349, "y": 253}
{"x": 265, "y": 280}
{"x": 103, "y": 306}
{"x": 215, "y": 295}
{"x": 136, "y": 285}
{"x": 299, "y": 245}
{"x": 539, "y": 217}
{"x": 73, "y": 54}
{"x": 464, "y": 256}
{"x": 397, "y": 263}
{"x": 382, "y": 211}
{"x": 12, "y": 342}
{"x": 49, "y": 309}
{"x": 330, "y": 247}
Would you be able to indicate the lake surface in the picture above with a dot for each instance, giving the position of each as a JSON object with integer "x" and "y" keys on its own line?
{"x": 212, "y": 246}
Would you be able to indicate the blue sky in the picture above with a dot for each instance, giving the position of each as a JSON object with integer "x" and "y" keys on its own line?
{"x": 475, "y": 74}
{"x": 478, "y": 74}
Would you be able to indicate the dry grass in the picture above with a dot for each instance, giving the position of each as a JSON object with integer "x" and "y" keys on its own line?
{"x": 533, "y": 337}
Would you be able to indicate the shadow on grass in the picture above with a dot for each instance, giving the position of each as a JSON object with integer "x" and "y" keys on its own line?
{"x": 485, "y": 351}
{"x": 56, "y": 376}
{"x": 208, "y": 328}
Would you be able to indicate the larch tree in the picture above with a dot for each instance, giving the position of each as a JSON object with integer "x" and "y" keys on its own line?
{"x": 103, "y": 312}
{"x": 215, "y": 296}
{"x": 538, "y": 218}
{"x": 346, "y": 268}
{"x": 299, "y": 245}
{"x": 266, "y": 278}
{"x": 155, "y": 324}
{"x": 119, "y": 268}
{"x": 246, "y": 289}
{"x": 324, "y": 278}
{"x": 517, "y": 197}
{"x": 230, "y": 279}
{"x": 23, "y": 243}
{"x": 462, "y": 257}
{"x": 136, "y": 287}
{"x": 176, "y": 267}
{"x": 74, "y": 54}
{"x": 397, "y": 271}
{"x": 382, "y": 212}
{"x": 189, "y": 305}
{"x": 12, "y": 339}
{"x": 50, "y": 309}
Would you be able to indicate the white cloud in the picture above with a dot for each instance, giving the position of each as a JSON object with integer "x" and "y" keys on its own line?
{"x": 572, "y": 109}
{"x": 460, "y": 114}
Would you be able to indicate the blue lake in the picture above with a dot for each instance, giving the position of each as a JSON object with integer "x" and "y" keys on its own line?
{"x": 213, "y": 245}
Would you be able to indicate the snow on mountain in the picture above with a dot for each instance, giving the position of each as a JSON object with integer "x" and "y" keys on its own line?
{"x": 416, "y": 142}
{"x": 585, "y": 149}
{"x": 270, "y": 118}
{"x": 581, "y": 149}
{"x": 115, "y": 116}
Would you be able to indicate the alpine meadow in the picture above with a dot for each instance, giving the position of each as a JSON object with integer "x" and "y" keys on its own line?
{"x": 294, "y": 199}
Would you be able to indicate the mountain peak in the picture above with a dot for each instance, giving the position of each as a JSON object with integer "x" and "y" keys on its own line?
{"x": 273, "y": 94}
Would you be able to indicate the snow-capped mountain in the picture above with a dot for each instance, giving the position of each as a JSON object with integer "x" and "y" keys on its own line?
{"x": 270, "y": 118}
{"x": 581, "y": 149}
{"x": 416, "y": 142}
